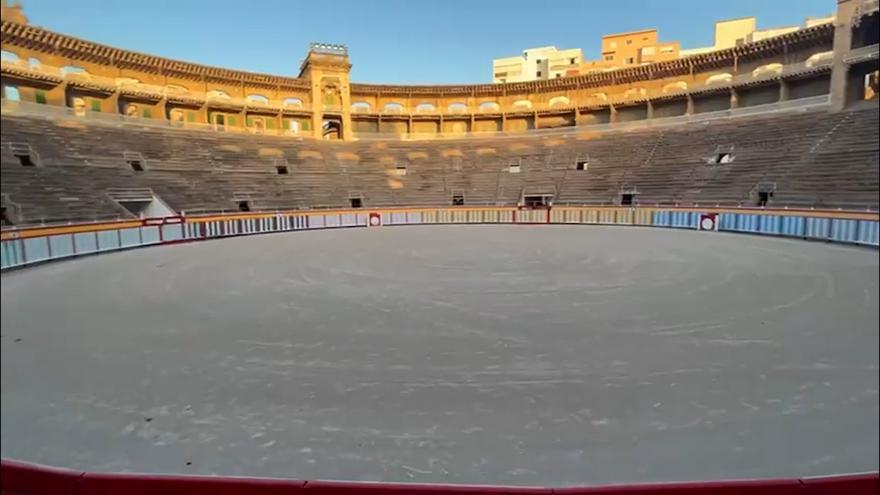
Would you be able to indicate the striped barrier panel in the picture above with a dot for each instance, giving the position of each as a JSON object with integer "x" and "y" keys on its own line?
{"x": 48, "y": 243}
{"x": 818, "y": 228}
{"x": 793, "y": 226}
{"x": 844, "y": 230}
{"x": 869, "y": 233}
{"x": 676, "y": 219}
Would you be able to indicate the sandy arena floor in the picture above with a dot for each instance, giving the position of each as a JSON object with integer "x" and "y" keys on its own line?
{"x": 466, "y": 354}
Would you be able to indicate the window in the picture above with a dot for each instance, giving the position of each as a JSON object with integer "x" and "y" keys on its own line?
{"x": 609, "y": 58}
{"x": 355, "y": 202}
{"x": 558, "y": 76}
{"x": 11, "y": 93}
{"x": 219, "y": 121}
{"x": 292, "y": 102}
{"x": 629, "y": 42}
{"x": 191, "y": 116}
{"x": 244, "y": 206}
{"x": 573, "y": 61}
{"x": 582, "y": 164}
{"x": 457, "y": 199}
{"x": 513, "y": 167}
{"x": 33, "y": 62}
{"x": 667, "y": 49}
{"x": 536, "y": 201}
{"x": 538, "y": 74}
{"x": 764, "y": 198}
{"x": 629, "y": 60}
{"x": 281, "y": 169}
{"x": 40, "y": 96}
{"x": 96, "y": 105}
{"x": 79, "y": 106}
{"x": 400, "y": 169}
{"x": 626, "y": 199}
{"x": 136, "y": 165}
{"x": 648, "y": 50}
{"x": 131, "y": 110}
{"x": 25, "y": 160}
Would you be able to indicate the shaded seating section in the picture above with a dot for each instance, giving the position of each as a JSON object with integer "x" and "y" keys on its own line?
{"x": 801, "y": 158}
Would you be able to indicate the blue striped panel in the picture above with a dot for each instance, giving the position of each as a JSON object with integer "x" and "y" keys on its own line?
{"x": 727, "y": 221}
{"x": 769, "y": 224}
{"x": 108, "y": 240}
{"x": 844, "y": 230}
{"x": 869, "y": 232}
{"x": 793, "y": 226}
{"x": 414, "y": 217}
{"x": 150, "y": 234}
{"x": 85, "y": 242}
{"x": 11, "y": 252}
{"x": 331, "y": 220}
{"x": 61, "y": 245}
{"x": 661, "y": 218}
{"x": 817, "y": 227}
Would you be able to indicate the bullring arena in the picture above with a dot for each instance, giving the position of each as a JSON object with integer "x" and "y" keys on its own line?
{"x": 650, "y": 291}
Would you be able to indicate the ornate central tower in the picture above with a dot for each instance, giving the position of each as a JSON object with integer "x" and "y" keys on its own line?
{"x": 327, "y": 68}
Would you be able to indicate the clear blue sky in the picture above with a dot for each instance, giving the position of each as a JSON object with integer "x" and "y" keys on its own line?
{"x": 394, "y": 41}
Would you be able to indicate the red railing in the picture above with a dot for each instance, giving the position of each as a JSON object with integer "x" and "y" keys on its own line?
{"x": 20, "y": 478}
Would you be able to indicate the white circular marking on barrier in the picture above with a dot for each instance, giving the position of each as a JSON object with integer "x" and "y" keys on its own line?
{"x": 375, "y": 220}
{"x": 708, "y": 223}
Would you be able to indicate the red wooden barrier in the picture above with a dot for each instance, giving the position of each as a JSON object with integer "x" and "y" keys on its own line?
{"x": 20, "y": 478}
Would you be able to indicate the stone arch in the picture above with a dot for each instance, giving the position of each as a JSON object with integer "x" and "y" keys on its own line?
{"x": 721, "y": 77}
{"x": 675, "y": 86}
{"x": 392, "y": 107}
{"x": 360, "y": 107}
{"x": 559, "y": 101}
{"x": 176, "y": 88}
{"x": 7, "y": 56}
{"x": 600, "y": 96}
{"x": 522, "y": 104}
{"x": 774, "y": 68}
{"x": 34, "y": 62}
{"x": 457, "y": 107}
{"x": 425, "y": 107}
{"x": 256, "y": 98}
{"x": 292, "y": 102}
{"x": 489, "y": 106}
{"x": 218, "y": 94}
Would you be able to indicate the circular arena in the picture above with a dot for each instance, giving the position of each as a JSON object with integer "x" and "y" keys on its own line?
{"x": 648, "y": 270}
{"x": 512, "y": 354}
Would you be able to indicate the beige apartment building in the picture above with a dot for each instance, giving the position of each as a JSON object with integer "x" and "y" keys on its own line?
{"x": 735, "y": 32}
{"x": 536, "y": 64}
{"x": 632, "y": 48}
